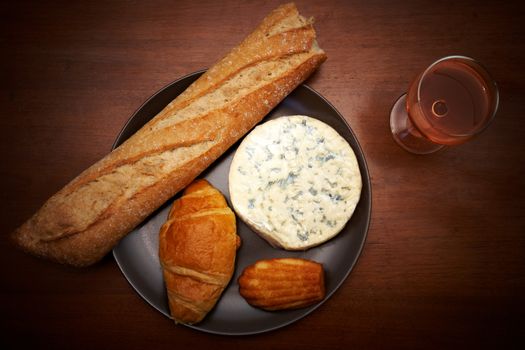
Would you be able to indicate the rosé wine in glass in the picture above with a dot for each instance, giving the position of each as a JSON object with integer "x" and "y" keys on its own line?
{"x": 450, "y": 102}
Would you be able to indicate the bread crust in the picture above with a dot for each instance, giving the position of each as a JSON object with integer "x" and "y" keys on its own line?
{"x": 83, "y": 221}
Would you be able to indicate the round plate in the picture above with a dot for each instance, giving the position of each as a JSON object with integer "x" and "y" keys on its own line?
{"x": 137, "y": 253}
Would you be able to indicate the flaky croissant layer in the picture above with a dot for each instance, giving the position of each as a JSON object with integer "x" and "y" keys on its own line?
{"x": 197, "y": 248}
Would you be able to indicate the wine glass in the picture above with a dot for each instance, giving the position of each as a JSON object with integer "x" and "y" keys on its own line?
{"x": 450, "y": 102}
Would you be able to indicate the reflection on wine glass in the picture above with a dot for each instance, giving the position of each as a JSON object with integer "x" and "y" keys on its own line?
{"x": 450, "y": 102}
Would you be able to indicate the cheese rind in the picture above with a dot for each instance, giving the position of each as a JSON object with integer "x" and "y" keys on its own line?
{"x": 295, "y": 181}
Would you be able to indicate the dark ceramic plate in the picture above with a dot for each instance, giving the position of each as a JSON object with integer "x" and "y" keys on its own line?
{"x": 136, "y": 254}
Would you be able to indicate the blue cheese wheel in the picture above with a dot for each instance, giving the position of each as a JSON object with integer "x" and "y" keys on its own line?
{"x": 295, "y": 181}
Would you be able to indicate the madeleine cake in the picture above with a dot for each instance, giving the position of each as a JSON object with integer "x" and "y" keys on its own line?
{"x": 285, "y": 283}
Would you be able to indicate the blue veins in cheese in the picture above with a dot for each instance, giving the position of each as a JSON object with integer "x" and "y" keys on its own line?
{"x": 295, "y": 181}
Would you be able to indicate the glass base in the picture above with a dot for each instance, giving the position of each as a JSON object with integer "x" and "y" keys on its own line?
{"x": 405, "y": 134}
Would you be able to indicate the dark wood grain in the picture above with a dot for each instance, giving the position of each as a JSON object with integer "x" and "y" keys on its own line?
{"x": 444, "y": 262}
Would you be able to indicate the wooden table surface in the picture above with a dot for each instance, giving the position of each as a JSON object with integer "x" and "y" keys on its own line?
{"x": 444, "y": 261}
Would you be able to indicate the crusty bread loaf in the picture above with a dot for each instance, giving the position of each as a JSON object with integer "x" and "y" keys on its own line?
{"x": 284, "y": 283}
{"x": 197, "y": 247}
{"x": 84, "y": 220}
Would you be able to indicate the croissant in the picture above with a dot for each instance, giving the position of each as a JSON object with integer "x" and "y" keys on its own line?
{"x": 197, "y": 249}
{"x": 284, "y": 283}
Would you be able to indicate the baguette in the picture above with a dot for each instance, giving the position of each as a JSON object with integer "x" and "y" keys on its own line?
{"x": 84, "y": 220}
